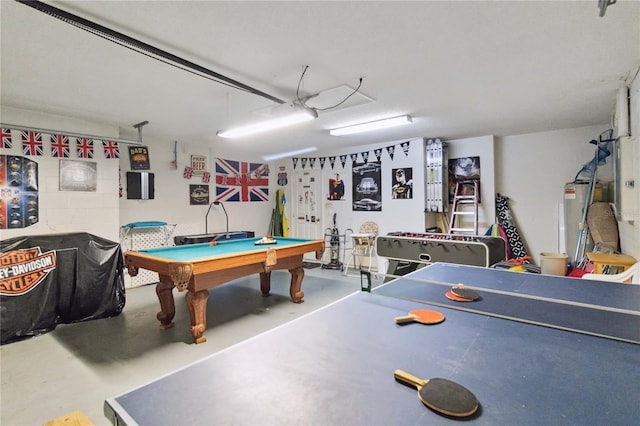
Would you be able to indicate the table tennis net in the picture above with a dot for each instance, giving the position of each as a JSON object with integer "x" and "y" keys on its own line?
{"x": 571, "y": 315}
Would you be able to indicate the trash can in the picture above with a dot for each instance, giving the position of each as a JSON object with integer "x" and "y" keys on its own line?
{"x": 554, "y": 263}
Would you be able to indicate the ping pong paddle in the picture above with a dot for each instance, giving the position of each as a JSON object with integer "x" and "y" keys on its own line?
{"x": 452, "y": 296}
{"x": 441, "y": 395}
{"x": 423, "y": 316}
{"x": 462, "y": 291}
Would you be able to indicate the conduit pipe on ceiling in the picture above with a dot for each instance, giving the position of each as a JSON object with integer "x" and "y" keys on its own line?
{"x": 118, "y": 38}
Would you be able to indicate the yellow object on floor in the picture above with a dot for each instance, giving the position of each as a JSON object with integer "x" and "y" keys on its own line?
{"x": 622, "y": 261}
{"x": 75, "y": 418}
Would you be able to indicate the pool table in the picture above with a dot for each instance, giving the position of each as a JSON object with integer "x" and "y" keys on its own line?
{"x": 198, "y": 267}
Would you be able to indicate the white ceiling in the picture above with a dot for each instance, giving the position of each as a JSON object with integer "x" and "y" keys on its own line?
{"x": 461, "y": 69}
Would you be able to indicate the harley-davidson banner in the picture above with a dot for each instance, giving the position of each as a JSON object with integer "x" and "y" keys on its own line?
{"x": 47, "y": 280}
{"x": 23, "y": 270}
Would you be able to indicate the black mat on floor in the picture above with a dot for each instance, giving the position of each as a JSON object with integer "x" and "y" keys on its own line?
{"x": 310, "y": 265}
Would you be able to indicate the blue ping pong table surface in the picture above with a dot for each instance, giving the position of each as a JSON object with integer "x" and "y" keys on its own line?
{"x": 566, "y": 361}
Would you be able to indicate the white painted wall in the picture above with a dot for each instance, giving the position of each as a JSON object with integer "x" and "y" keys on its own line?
{"x": 630, "y": 230}
{"x": 532, "y": 170}
{"x": 68, "y": 211}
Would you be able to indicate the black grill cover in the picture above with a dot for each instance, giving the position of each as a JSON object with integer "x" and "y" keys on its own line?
{"x": 46, "y": 280}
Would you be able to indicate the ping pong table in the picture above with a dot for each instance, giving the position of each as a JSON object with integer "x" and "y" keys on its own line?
{"x": 534, "y": 349}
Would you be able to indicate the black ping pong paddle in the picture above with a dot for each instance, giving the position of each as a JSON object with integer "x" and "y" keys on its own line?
{"x": 441, "y": 395}
{"x": 423, "y": 316}
{"x": 462, "y": 291}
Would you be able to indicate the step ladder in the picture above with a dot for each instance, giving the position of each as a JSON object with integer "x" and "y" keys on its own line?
{"x": 461, "y": 204}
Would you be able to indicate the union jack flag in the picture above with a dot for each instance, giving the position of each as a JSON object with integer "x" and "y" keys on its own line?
{"x": 111, "y": 149}
{"x": 240, "y": 181}
{"x": 84, "y": 147}
{"x": 32, "y": 143}
{"x": 60, "y": 146}
{"x": 6, "y": 138}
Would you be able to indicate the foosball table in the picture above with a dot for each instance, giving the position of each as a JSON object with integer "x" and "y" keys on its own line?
{"x": 406, "y": 251}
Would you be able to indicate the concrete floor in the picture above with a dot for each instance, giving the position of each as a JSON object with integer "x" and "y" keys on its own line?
{"x": 78, "y": 366}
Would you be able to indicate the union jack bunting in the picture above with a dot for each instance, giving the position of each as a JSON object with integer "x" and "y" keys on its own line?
{"x": 111, "y": 149}
{"x": 206, "y": 177}
{"x": 60, "y": 146}
{"x": 240, "y": 181}
{"x": 6, "y": 138}
{"x": 188, "y": 172}
{"x": 32, "y": 143}
{"x": 84, "y": 147}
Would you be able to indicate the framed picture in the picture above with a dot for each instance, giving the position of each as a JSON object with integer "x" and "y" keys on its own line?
{"x": 465, "y": 169}
{"x": 78, "y": 175}
{"x": 198, "y": 195}
{"x": 139, "y": 158}
{"x": 199, "y": 164}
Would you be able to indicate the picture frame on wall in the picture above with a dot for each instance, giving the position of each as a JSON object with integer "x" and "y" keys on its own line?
{"x": 466, "y": 169}
{"x": 139, "y": 158}
{"x": 78, "y": 175}
{"x": 199, "y": 164}
{"x": 198, "y": 195}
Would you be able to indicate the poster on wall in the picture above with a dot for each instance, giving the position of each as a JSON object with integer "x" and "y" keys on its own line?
{"x": 198, "y": 164}
{"x": 367, "y": 186}
{"x": 18, "y": 192}
{"x": 336, "y": 188}
{"x": 78, "y": 175}
{"x": 198, "y": 195}
{"x": 402, "y": 183}
{"x": 464, "y": 169}
{"x": 139, "y": 158}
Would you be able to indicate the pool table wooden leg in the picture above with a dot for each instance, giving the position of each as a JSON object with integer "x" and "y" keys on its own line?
{"x": 265, "y": 283}
{"x": 197, "y": 304}
{"x": 164, "y": 290}
{"x": 297, "y": 274}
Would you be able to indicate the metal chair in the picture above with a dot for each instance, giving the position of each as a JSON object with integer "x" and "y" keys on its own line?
{"x": 363, "y": 246}
{"x": 630, "y": 275}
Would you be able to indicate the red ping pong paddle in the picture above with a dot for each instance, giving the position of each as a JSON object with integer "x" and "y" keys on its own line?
{"x": 455, "y": 297}
{"x": 423, "y": 316}
{"x": 441, "y": 395}
{"x": 462, "y": 291}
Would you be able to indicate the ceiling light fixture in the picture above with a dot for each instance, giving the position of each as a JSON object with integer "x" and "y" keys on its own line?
{"x": 372, "y": 125}
{"x": 299, "y": 115}
{"x": 289, "y": 154}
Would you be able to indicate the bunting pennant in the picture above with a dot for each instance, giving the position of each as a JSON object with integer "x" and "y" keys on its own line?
{"x": 60, "y": 146}
{"x": 206, "y": 177}
{"x": 312, "y": 162}
{"x": 303, "y": 162}
{"x": 84, "y": 147}
{"x": 6, "y": 139}
{"x": 332, "y": 161}
{"x": 343, "y": 159}
{"x": 188, "y": 172}
{"x": 365, "y": 156}
{"x": 354, "y": 157}
{"x": 32, "y": 143}
{"x": 111, "y": 149}
{"x": 378, "y": 154}
{"x": 405, "y": 147}
{"x": 390, "y": 150}
{"x": 295, "y": 162}
{"x": 322, "y": 161}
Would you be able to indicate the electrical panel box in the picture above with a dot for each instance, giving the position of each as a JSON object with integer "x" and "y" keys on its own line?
{"x": 625, "y": 191}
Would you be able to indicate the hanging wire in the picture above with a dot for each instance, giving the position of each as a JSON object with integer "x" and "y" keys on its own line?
{"x": 304, "y": 104}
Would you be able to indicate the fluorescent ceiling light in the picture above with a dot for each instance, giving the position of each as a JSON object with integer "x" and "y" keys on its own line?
{"x": 299, "y": 115}
{"x": 372, "y": 125}
{"x": 288, "y": 154}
